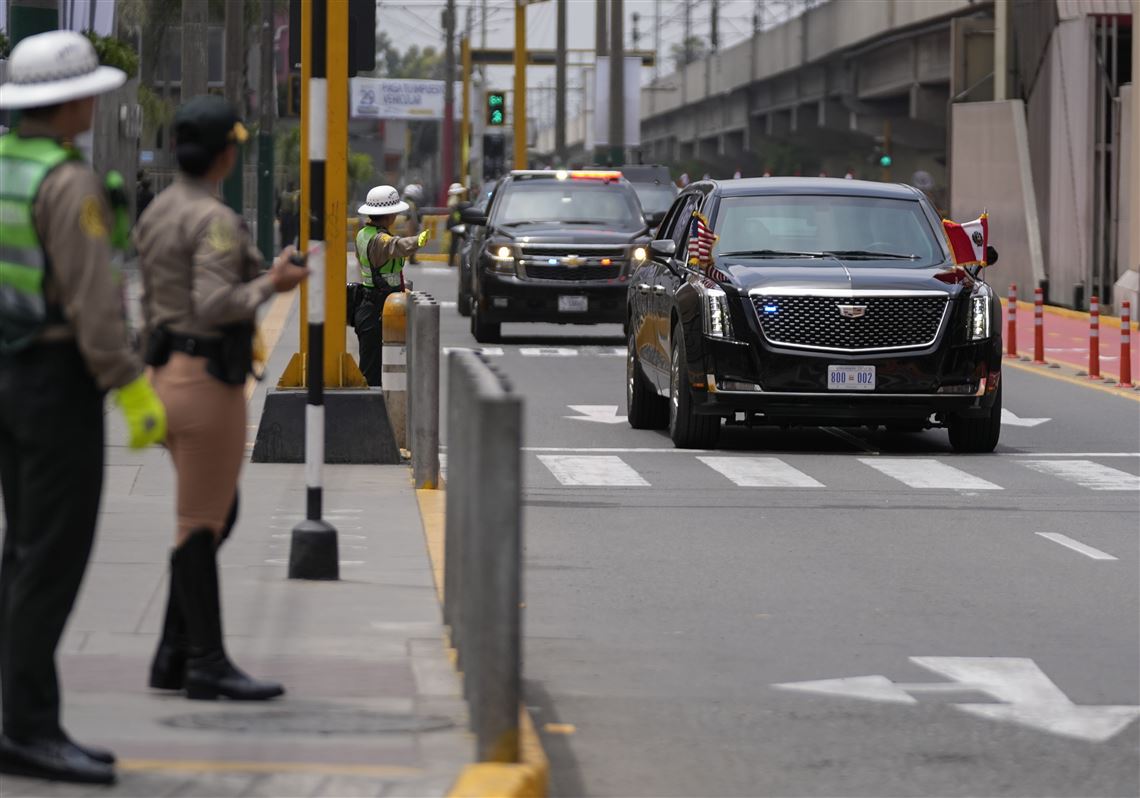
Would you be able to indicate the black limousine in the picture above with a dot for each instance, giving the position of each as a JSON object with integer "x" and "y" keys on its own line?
{"x": 825, "y": 302}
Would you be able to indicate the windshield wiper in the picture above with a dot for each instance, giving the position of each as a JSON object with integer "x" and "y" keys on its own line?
{"x": 866, "y": 254}
{"x": 770, "y": 253}
{"x": 589, "y": 221}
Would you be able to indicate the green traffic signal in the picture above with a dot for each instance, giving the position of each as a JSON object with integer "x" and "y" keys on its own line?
{"x": 496, "y": 108}
{"x": 497, "y": 117}
{"x": 885, "y": 161}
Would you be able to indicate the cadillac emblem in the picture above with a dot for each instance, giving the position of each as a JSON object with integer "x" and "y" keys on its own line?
{"x": 852, "y": 311}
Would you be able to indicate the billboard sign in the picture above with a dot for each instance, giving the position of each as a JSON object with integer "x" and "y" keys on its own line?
{"x": 389, "y": 98}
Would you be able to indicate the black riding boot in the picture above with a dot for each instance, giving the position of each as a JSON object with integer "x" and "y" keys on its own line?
{"x": 168, "y": 668}
{"x": 209, "y": 672}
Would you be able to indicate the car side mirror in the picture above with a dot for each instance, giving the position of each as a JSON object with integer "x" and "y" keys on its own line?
{"x": 665, "y": 247}
{"x": 473, "y": 216}
{"x": 991, "y": 256}
{"x": 652, "y": 220}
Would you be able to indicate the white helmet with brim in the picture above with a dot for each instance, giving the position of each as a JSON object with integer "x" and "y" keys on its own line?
{"x": 382, "y": 201}
{"x": 54, "y": 67}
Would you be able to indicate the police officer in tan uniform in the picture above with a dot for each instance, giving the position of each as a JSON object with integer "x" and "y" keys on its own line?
{"x": 203, "y": 281}
{"x": 63, "y": 346}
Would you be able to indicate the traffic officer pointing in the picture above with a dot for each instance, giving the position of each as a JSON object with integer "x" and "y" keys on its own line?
{"x": 63, "y": 345}
{"x": 381, "y": 257}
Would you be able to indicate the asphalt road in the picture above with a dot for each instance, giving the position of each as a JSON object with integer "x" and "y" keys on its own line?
{"x": 974, "y": 620}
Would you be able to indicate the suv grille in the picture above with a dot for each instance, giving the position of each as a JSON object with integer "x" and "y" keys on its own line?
{"x": 572, "y": 261}
{"x": 547, "y": 272}
{"x": 887, "y": 322}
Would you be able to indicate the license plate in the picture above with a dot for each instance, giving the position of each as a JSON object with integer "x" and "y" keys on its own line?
{"x": 572, "y": 304}
{"x": 851, "y": 378}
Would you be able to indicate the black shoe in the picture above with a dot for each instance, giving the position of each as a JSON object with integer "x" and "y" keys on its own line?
{"x": 213, "y": 676}
{"x": 96, "y": 753}
{"x": 209, "y": 672}
{"x": 55, "y": 760}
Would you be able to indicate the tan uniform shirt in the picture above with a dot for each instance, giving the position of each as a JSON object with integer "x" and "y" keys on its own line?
{"x": 384, "y": 246}
{"x": 200, "y": 269}
{"x": 73, "y": 222}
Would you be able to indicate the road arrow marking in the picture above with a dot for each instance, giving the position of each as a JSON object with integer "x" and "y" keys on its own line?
{"x": 1009, "y": 419}
{"x": 603, "y": 414}
{"x": 1028, "y": 697}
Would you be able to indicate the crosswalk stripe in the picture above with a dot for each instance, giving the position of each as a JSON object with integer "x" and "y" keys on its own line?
{"x": 760, "y": 472}
{"x": 547, "y": 351}
{"x": 927, "y": 473}
{"x": 592, "y": 471}
{"x": 1086, "y": 473}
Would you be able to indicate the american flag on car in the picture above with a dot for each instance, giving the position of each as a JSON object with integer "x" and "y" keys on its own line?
{"x": 701, "y": 241}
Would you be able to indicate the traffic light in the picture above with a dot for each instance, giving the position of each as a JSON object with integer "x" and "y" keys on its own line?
{"x": 496, "y": 108}
{"x": 885, "y": 160}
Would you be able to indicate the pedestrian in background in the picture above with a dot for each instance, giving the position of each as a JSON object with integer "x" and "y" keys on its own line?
{"x": 456, "y": 204}
{"x": 143, "y": 193}
{"x": 289, "y": 214}
{"x": 409, "y": 222}
{"x": 63, "y": 345}
{"x": 202, "y": 284}
{"x": 381, "y": 257}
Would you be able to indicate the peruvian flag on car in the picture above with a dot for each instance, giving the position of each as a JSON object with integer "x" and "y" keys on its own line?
{"x": 968, "y": 240}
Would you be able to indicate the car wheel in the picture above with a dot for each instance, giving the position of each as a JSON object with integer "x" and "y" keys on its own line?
{"x": 484, "y": 332}
{"x": 463, "y": 297}
{"x": 687, "y": 429}
{"x": 976, "y": 435}
{"x": 646, "y": 409}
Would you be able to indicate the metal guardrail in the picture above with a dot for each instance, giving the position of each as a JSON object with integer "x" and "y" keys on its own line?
{"x": 423, "y": 386}
{"x": 483, "y": 548}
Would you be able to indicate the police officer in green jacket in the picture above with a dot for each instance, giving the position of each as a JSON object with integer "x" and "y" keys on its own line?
{"x": 381, "y": 256}
{"x": 63, "y": 346}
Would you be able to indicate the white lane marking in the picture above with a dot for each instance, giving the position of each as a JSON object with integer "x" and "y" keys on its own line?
{"x": 1010, "y": 419}
{"x": 604, "y": 471}
{"x": 1076, "y": 545}
{"x": 488, "y": 351}
{"x": 547, "y": 351}
{"x": 919, "y": 472}
{"x": 868, "y": 688}
{"x": 1070, "y": 454}
{"x": 1087, "y": 474}
{"x": 760, "y": 472}
{"x": 614, "y": 450}
{"x": 603, "y": 414}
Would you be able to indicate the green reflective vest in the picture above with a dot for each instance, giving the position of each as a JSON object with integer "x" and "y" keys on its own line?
{"x": 24, "y": 163}
{"x": 389, "y": 272}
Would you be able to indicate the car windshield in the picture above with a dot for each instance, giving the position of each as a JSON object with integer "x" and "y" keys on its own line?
{"x": 572, "y": 201}
{"x": 655, "y": 198}
{"x": 855, "y": 229}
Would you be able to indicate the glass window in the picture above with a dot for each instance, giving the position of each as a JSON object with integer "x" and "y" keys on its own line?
{"x": 818, "y": 223}
{"x": 654, "y": 198}
{"x": 569, "y": 201}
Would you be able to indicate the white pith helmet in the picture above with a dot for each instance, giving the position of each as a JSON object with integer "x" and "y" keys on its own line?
{"x": 55, "y": 67}
{"x": 414, "y": 191}
{"x": 382, "y": 201}
{"x": 456, "y": 189}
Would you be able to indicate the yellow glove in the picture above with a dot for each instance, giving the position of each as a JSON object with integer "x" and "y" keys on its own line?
{"x": 144, "y": 413}
{"x": 422, "y": 238}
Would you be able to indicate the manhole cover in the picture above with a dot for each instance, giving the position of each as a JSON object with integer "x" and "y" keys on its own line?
{"x": 292, "y": 721}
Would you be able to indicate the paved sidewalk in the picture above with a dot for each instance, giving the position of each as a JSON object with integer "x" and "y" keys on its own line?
{"x": 373, "y": 705}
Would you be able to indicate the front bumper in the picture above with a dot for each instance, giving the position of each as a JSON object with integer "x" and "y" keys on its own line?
{"x": 792, "y": 386}
{"x": 507, "y": 298}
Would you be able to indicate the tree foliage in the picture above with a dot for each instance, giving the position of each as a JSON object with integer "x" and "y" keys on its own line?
{"x": 691, "y": 49}
{"x": 115, "y": 52}
{"x": 423, "y": 64}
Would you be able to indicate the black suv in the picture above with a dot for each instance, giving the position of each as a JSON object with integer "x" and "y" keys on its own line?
{"x": 554, "y": 246}
{"x": 826, "y": 302}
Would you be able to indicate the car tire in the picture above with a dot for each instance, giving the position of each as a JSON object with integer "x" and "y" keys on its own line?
{"x": 976, "y": 435}
{"x": 463, "y": 297}
{"x": 687, "y": 429}
{"x": 483, "y": 332}
{"x": 646, "y": 410}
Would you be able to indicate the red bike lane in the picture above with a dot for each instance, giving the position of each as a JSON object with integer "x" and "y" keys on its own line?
{"x": 1067, "y": 338}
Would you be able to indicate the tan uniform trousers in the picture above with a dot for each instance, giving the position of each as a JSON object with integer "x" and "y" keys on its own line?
{"x": 206, "y": 430}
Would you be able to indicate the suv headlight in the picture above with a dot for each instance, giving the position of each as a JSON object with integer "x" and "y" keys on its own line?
{"x": 502, "y": 258}
{"x": 978, "y": 319}
{"x": 639, "y": 255}
{"x": 717, "y": 321}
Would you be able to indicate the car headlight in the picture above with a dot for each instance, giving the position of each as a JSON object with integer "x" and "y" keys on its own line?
{"x": 502, "y": 258}
{"x": 639, "y": 255}
{"x": 502, "y": 253}
{"x": 717, "y": 321}
{"x": 978, "y": 319}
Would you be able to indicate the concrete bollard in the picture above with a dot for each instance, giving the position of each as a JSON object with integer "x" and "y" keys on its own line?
{"x": 424, "y": 392}
{"x": 394, "y": 370}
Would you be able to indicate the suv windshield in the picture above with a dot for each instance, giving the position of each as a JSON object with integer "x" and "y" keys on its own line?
{"x": 569, "y": 201}
{"x": 654, "y": 196}
{"x": 855, "y": 229}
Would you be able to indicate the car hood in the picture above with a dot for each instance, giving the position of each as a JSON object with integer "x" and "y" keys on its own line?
{"x": 567, "y": 234}
{"x": 800, "y": 273}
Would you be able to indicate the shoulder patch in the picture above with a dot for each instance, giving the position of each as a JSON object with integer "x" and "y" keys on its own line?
{"x": 91, "y": 217}
{"x": 221, "y": 235}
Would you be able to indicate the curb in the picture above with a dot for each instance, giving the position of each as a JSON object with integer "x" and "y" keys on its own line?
{"x": 526, "y": 779}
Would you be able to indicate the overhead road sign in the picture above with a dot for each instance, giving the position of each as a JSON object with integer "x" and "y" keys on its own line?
{"x": 500, "y": 57}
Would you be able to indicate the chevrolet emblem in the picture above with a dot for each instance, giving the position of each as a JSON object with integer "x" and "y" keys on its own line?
{"x": 852, "y": 311}
{"x": 573, "y": 261}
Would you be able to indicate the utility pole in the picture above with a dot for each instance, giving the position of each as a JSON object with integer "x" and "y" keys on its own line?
{"x": 91, "y": 15}
{"x": 601, "y": 38}
{"x": 520, "y": 85}
{"x": 601, "y": 49}
{"x": 656, "y": 40}
{"x": 195, "y": 21}
{"x": 267, "y": 111}
{"x": 688, "y": 49}
{"x": 560, "y": 83}
{"x": 235, "y": 93}
{"x": 617, "y": 82}
{"x": 447, "y": 163}
{"x": 713, "y": 12}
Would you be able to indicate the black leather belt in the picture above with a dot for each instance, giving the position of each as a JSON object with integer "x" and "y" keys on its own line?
{"x": 194, "y": 345}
